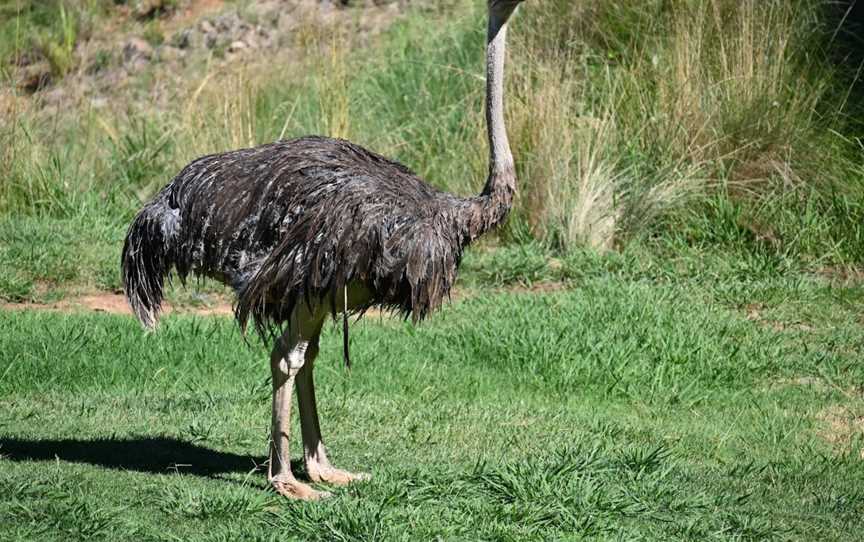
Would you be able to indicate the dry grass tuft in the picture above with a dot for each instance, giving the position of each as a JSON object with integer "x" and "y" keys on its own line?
{"x": 689, "y": 97}
{"x": 220, "y": 113}
{"x": 571, "y": 182}
{"x": 842, "y": 428}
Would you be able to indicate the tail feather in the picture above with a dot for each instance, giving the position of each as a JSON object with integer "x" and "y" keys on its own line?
{"x": 147, "y": 259}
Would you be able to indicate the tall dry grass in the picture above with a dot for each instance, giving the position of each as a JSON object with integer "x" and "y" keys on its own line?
{"x": 623, "y": 115}
{"x": 632, "y": 109}
{"x": 570, "y": 178}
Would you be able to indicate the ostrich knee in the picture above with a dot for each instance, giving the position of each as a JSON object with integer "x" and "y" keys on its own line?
{"x": 289, "y": 361}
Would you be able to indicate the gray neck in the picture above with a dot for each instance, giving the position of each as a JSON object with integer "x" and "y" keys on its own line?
{"x": 487, "y": 210}
{"x": 501, "y": 170}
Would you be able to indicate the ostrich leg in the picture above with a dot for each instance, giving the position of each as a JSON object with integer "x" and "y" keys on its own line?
{"x": 294, "y": 349}
{"x": 317, "y": 464}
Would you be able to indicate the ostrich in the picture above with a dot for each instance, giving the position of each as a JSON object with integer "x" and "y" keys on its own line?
{"x": 311, "y": 227}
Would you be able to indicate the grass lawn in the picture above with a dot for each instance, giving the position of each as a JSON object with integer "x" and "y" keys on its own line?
{"x": 619, "y": 409}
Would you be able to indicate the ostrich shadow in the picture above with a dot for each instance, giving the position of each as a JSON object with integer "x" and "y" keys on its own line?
{"x": 153, "y": 455}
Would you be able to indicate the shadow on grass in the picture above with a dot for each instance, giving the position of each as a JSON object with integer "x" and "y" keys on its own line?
{"x": 155, "y": 455}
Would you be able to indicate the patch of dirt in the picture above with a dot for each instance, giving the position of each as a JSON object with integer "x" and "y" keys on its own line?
{"x": 801, "y": 381}
{"x": 844, "y": 275}
{"x": 535, "y": 288}
{"x": 215, "y": 304}
{"x": 116, "y": 304}
{"x": 112, "y": 303}
{"x": 842, "y": 427}
{"x": 754, "y": 313}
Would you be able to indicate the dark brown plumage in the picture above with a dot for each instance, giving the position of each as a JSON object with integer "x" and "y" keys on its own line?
{"x": 301, "y": 219}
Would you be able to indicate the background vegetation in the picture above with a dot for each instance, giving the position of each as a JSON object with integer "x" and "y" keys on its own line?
{"x": 666, "y": 127}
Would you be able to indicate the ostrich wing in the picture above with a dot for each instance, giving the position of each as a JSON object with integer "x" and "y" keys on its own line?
{"x": 299, "y": 220}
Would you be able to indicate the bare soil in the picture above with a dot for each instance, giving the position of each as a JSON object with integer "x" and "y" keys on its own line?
{"x": 116, "y": 304}
{"x": 215, "y": 304}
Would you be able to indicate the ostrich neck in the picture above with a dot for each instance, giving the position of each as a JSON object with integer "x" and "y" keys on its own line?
{"x": 492, "y": 205}
{"x": 500, "y": 157}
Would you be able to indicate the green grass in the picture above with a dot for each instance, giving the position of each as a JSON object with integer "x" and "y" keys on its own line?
{"x": 622, "y": 409}
{"x": 47, "y": 30}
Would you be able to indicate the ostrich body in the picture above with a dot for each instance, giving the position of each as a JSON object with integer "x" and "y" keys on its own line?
{"x": 314, "y": 226}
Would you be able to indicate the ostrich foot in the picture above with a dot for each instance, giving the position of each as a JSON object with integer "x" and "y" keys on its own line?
{"x": 331, "y": 475}
{"x": 291, "y": 488}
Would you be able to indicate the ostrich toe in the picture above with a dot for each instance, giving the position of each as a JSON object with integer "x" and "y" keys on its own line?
{"x": 294, "y": 489}
{"x": 332, "y": 475}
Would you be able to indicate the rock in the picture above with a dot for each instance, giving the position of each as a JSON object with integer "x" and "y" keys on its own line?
{"x": 35, "y": 76}
{"x": 211, "y": 40}
{"x": 251, "y": 40}
{"x": 236, "y": 46}
{"x": 137, "y": 49}
{"x": 206, "y": 27}
{"x": 228, "y": 21}
{"x": 327, "y": 6}
{"x": 144, "y": 9}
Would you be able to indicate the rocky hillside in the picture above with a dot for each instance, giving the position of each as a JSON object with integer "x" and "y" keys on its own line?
{"x": 143, "y": 50}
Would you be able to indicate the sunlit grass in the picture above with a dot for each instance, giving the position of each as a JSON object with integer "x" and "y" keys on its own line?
{"x": 617, "y": 410}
